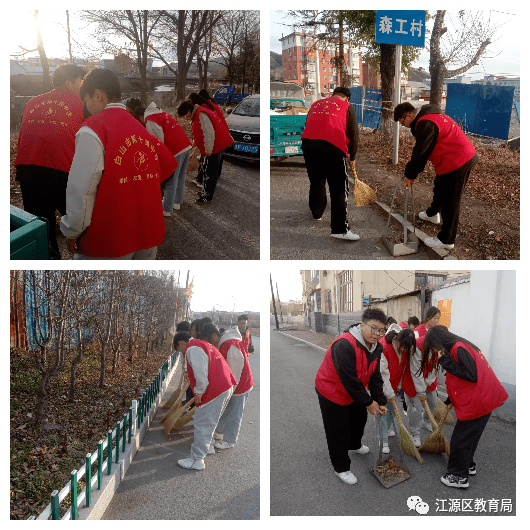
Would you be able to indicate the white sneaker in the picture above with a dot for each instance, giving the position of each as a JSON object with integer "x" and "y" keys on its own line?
{"x": 427, "y": 425}
{"x": 167, "y": 214}
{"x": 435, "y": 219}
{"x": 349, "y": 236}
{"x": 434, "y": 242}
{"x": 391, "y": 433}
{"x": 362, "y": 450}
{"x": 386, "y": 449}
{"x": 224, "y": 445}
{"x": 176, "y": 206}
{"x": 192, "y": 463}
{"x": 347, "y": 476}
{"x": 211, "y": 449}
{"x": 218, "y": 436}
{"x": 416, "y": 440}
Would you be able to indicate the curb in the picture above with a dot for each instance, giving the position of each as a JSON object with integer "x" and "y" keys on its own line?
{"x": 101, "y": 498}
{"x": 304, "y": 341}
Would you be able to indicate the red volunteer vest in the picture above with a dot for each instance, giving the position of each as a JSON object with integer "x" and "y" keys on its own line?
{"x": 246, "y": 339}
{"x": 453, "y": 148}
{"x": 403, "y": 325}
{"x": 399, "y": 371}
{"x": 472, "y": 400}
{"x": 127, "y": 213}
{"x": 220, "y": 377}
{"x": 430, "y": 365}
{"x": 175, "y": 137}
{"x": 222, "y": 136}
{"x": 327, "y": 380}
{"x": 47, "y": 134}
{"x": 245, "y": 379}
{"x": 326, "y": 120}
{"x": 422, "y": 331}
{"x": 219, "y": 114}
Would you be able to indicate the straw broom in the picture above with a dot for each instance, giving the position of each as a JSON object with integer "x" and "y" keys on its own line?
{"x": 440, "y": 410}
{"x": 171, "y": 421}
{"x": 167, "y": 404}
{"x": 363, "y": 194}
{"x": 436, "y": 443}
{"x": 407, "y": 444}
{"x": 177, "y": 404}
{"x": 184, "y": 419}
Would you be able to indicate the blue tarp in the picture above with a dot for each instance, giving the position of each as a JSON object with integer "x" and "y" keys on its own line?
{"x": 518, "y": 109}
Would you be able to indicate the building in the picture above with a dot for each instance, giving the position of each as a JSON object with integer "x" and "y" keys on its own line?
{"x": 462, "y": 79}
{"x": 299, "y": 67}
{"x": 502, "y": 81}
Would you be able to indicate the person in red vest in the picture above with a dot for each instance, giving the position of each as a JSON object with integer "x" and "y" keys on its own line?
{"x": 473, "y": 390}
{"x": 242, "y": 321}
{"x": 212, "y": 383}
{"x": 169, "y": 131}
{"x": 236, "y": 356}
{"x": 46, "y": 144}
{"x": 349, "y": 385}
{"x": 211, "y": 137}
{"x": 432, "y": 317}
{"x": 113, "y": 202}
{"x": 440, "y": 140}
{"x": 329, "y": 143}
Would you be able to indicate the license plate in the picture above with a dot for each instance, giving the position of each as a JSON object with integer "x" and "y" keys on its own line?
{"x": 246, "y": 148}
{"x": 291, "y": 149}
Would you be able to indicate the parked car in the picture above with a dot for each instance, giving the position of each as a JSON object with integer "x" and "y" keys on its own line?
{"x": 243, "y": 123}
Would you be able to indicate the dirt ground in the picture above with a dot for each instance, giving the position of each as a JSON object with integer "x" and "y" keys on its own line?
{"x": 489, "y": 222}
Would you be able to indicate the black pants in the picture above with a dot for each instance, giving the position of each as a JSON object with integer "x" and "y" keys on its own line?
{"x": 464, "y": 442}
{"x": 344, "y": 428}
{"x": 323, "y": 167}
{"x": 447, "y": 198}
{"x": 211, "y": 174}
{"x": 43, "y": 192}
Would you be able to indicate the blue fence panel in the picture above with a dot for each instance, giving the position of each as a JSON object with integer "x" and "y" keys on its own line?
{"x": 518, "y": 109}
{"x": 356, "y": 100}
{"x": 372, "y": 108}
{"x": 484, "y": 110}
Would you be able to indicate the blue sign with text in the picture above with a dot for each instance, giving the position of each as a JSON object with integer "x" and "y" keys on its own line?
{"x": 400, "y": 27}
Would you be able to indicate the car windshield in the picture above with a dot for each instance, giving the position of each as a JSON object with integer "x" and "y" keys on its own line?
{"x": 248, "y": 107}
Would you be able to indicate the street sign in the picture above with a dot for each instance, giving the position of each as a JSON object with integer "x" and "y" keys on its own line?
{"x": 406, "y": 28}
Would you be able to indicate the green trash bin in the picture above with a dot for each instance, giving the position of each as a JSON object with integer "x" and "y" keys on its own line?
{"x": 29, "y": 235}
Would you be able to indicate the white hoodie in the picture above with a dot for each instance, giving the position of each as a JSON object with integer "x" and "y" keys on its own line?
{"x": 234, "y": 357}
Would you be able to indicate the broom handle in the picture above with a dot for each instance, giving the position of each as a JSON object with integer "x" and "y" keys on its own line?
{"x": 429, "y": 413}
{"x": 442, "y": 420}
{"x": 397, "y": 413}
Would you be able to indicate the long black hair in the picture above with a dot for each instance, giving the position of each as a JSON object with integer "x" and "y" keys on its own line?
{"x": 195, "y": 324}
{"x": 442, "y": 339}
{"x": 199, "y": 100}
{"x": 431, "y": 313}
{"x": 207, "y": 330}
{"x": 405, "y": 338}
{"x": 184, "y": 108}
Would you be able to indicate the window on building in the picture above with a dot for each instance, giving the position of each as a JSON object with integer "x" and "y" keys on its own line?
{"x": 289, "y": 67}
{"x": 324, "y": 69}
{"x": 345, "y": 290}
{"x": 301, "y": 48}
{"x": 424, "y": 279}
{"x": 325, "y": 79}
{"x": 325, "y": 86}
{"x": 295, "y": 76}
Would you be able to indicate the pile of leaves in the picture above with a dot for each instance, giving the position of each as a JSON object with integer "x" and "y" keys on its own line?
{"x": 41, "y": 458}
{"x": 389, "y": 470}
{"x": 489, "y": 220}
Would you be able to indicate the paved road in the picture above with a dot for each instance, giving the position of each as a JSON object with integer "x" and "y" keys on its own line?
{"x": 303, "y": 482}
{"x": 227, "y": 228}
{"x": 294, "y": 234}
{"x": 155, "y": 487}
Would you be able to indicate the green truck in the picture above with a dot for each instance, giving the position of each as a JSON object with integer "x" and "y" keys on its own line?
{"x": 288, "y": 113}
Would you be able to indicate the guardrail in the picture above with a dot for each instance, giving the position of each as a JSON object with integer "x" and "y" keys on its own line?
{"x": 120, "y": 436}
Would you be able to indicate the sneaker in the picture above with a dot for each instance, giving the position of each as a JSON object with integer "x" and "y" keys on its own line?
{"x": 317, "y": 218}
{"x": 218, "y": 436}
{"x": 434, "y": 242}
{"x": 427, "y": 425}
{"x": 211, "y": 450}
{"x": 349, "y": 236}
{"x": 199, "y": 183}
{"x": 176, "y": 206}
{"x": 167, "y": 214}
{"x": 362, "y": 450}
{"x": 435, "y": 219}
{"x": 203, "y": 200}
{"x": 473, "y": 470}
{"x": 416, "y": 440}
{"x": 192, "y": 463}
{"x": 347, "y": 476}
{"x": 454, "y": 482}
{"x": 386, "y": 449}
{"x": 391, "y": 433}
{"x": 224, "y": 445}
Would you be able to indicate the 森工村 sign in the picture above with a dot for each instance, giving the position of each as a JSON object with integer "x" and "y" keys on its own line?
{"x": 400, "y": 27}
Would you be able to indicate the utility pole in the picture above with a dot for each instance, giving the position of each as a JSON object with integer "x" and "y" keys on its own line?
{"x": 279, "y": 303}
{"x": 69, "y": 42}
{"x": 316, "y": 96}
{"x": 274, "y": 305}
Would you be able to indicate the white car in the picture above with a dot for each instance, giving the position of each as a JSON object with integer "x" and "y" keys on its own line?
{"x": 243, "y": 123}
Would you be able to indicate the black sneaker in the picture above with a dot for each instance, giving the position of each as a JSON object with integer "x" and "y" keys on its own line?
{"x": 473, "y": 470}
{"x": 203, "y": 200}
{"x": 454, "y": 482}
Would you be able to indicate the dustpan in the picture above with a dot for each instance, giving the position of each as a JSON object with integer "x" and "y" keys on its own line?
{"x": 410, "y": 241}
{"x": 390, "y": 469}
{"x": 436, "y": 443}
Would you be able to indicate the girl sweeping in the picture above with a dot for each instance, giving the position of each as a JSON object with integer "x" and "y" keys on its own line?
{"x": 473, "y": 390}
{"x": 432, "y": 317}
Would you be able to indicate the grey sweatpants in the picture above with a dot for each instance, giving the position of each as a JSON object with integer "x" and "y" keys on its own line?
{"x": 205, "y": 421}
{"x": 415, "y": 410}
{"x": 230, "y": 422}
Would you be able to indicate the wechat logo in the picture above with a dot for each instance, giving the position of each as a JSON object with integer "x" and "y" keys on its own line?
{"x": 415, "y": 503}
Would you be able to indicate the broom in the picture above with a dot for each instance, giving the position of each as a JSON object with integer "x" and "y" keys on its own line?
{"x": 407, "y": 444}
{"x": 440, "y": 410}
{"x": 177, "y": 404}
{"x": 436, "y": 443}
{"x": 167, "y": 404}
{"x": 173, "y": 418}
{"x": 363, "y": 194}
{"x": 184, "y": 419}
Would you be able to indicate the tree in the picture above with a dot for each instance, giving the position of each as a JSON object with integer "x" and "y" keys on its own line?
{"x": 468, "y": 45}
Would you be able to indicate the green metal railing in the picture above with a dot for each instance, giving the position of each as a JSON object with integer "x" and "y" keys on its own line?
{"x": 122, "y": 433}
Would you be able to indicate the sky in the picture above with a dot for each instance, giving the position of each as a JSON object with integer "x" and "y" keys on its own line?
{"x": 289, "y": 282}
{"x": 501, "y": 57}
